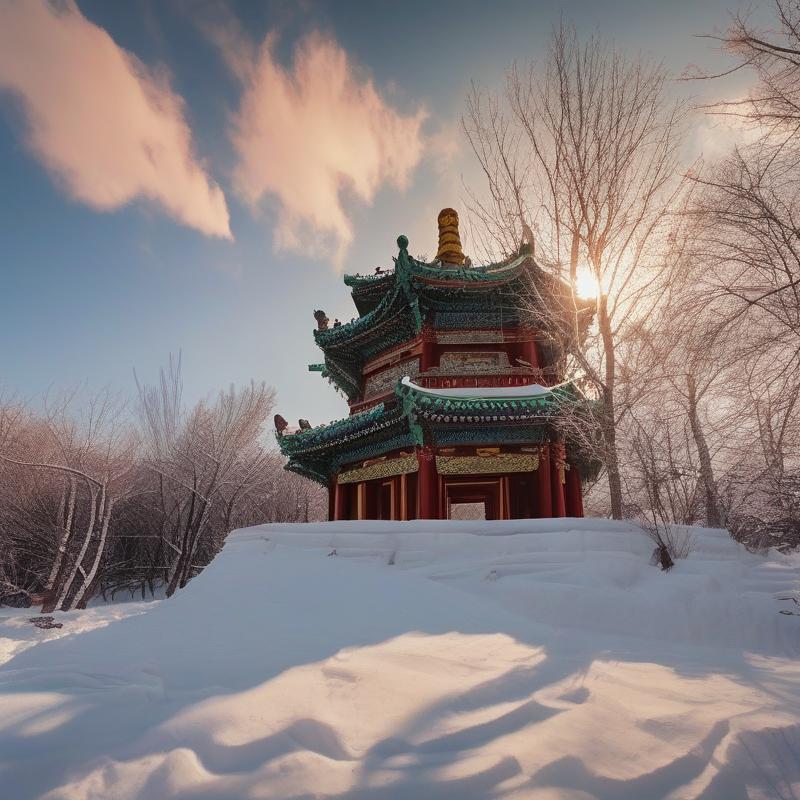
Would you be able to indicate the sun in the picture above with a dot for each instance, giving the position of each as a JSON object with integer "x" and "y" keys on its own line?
{"x": 585, "y": 284}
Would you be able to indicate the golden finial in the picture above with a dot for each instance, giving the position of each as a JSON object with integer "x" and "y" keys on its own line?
{"x": 449, "y": 241}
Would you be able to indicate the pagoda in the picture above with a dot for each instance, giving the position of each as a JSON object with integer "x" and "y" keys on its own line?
{"x": 455, "y": 388}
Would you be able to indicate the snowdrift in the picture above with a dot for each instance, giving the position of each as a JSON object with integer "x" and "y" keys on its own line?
{"x": 526, "y": 659}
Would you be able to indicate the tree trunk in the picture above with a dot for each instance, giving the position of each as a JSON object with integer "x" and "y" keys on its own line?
{"x": 713, "y": 514}
{"x": 61, "y": 603}
{"x": 59, "y": 562}
{"x": 62, "y": 544}
{"x": 609, "y": 423}
{"x": 175, "y": 572}
{"x": 611, "y": 456}
{"x": 84, "y": 593}
{"x": 174, "y": 575}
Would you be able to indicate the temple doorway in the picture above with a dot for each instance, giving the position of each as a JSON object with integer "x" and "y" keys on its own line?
{"x": 385, "y": 498}
{"x": 468, "y": 510}
{"x": 470, "y": 491}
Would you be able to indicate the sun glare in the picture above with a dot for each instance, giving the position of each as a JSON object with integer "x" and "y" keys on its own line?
{"x": 585, "y": 284}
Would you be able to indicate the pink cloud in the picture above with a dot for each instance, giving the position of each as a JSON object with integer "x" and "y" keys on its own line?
{"x": 106, "y": 127}
{"x": 312, "y": 134}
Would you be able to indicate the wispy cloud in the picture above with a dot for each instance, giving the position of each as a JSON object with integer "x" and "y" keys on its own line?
{"x": 108, "y": 128}
{"x": 445, "y": 146}
{"x": 311, "y": 134}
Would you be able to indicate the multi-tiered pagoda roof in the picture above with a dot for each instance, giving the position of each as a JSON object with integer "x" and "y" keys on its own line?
{"x": 443, "y": 355}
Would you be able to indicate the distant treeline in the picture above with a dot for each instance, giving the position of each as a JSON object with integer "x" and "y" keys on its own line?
{"x": 112, "y": 499}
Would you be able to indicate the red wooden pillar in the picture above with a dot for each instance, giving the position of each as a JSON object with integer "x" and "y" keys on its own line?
{"x": 340, "y": 505}
{"x": 427, "y": 483}
{"x": 332, "y": 498}
{"x": 428, "y": 344}
{"x": 402, "y": 491}
{"x": 528, "y": 351}
{"x": 534, "y": 353}
{"x": 544, "y": 495}
{"x": 574, "y": 495}
{"x": 557, "y": 465}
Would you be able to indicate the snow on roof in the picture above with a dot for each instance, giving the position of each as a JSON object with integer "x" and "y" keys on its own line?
{"x": 528, "y": 390}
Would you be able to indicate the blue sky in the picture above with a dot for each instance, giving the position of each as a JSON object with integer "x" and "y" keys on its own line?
{"x": 114, "y": 247}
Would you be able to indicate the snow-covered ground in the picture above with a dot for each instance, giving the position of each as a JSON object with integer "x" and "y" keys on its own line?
{"x": 533, "y": 659}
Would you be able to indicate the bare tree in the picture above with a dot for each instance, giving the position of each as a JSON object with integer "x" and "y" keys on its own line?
{"x": 748, "y": 238}
{"x": 747, "y": 216}
{"x": 728, "y": 334}
{"x": 773, "y": 104}
{"x": 585, "y": 154}
{"x": 88, "y": 505}
{"x": 87, "y": 462}
{"x": 696, "y": 367}
{"x": 201, "y": 460}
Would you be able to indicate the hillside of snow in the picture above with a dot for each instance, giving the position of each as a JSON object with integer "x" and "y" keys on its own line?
{"x": 533, "y": 659}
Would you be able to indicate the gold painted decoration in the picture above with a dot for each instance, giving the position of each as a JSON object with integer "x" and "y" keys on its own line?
{"x": 470, "y": 337}
{"x": 481, "y": 363}
{"x": 449, "y": 251}
{"x": 385, "y": 380}
{"x": 486, "y": 465}
{"x": 379, "y": 469}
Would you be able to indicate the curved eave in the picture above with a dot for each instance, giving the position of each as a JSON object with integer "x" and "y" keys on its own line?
{"x": 367, "y": 291}
{"x": 341, "y": 336}
{"x": 347, "y": 347}
{"x": 318, "y": 476}
{"x": 395, "y": 300}
{"x": 368, "y": 281}
{"x": 360, "y": 339}
{"x": 491, "y": 274}
{"x": 532, "y": 395}
{"x": 344, "y": 379}
{"x": 318, "y": 440}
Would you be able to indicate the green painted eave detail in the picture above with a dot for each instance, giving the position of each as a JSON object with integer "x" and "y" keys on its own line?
{"x": 317, "y": 475}
{"x": 408, "y": 300}
{"x": 333, "y": 336}
{"x": 364, "y": 281}
{"x": 340, "y": 430}
{"x": 413, "y": 397}
{"x": 408, "y": 268}
{"x": 488, "y": 273}
{"x": 418, "y": 417}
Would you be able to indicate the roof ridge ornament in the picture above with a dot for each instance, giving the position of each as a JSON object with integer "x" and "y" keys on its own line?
{"x": 449, "y": 251}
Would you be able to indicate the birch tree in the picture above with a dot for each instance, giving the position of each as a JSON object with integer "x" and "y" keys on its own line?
{"x": 89, "y": 460}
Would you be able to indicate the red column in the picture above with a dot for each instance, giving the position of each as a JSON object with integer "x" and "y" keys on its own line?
{"x": 428, "y": 342}
{"x": 342, "y": 490}
{"x": 557, "y": 466}
{"x": 574, "y": 495}
{"x": 534, "y": 353}
{"x": 332, "y": 499}
{"x": 427, "y": 483}
{"x": 544, "y": 499}
{"x": 528, "y": 351}
{"x": 402, "y": 490}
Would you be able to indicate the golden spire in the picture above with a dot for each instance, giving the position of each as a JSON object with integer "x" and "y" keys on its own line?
{"x": 449, "y": 241}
